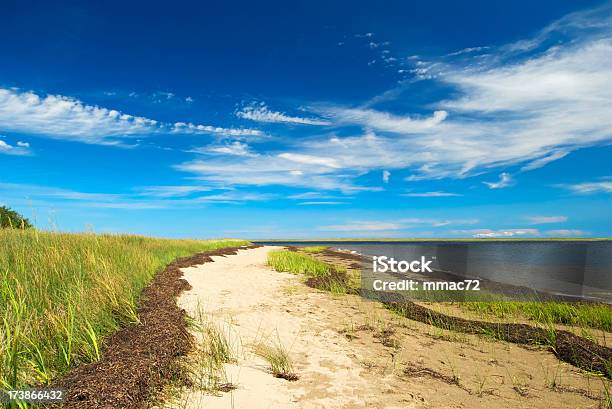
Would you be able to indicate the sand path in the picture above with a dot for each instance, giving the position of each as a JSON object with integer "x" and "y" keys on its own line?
{"x": 337, "y": 347}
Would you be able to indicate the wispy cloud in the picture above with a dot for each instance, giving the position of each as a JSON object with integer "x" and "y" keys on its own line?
{"x": 285, "y": 170}
{"x": 489, "y": 233}
{"x": 310, "y": 160}
{"x": 19, "y": 149}
{"x": 546, "y": 219}
{"x": 235, "y": 148}
{"x": 150, "y": 197}
{"x": 505, "y": 180}
{"x": 383, "y": 121}
{"x": 545, "y": 160}
{"x": 402, "y": 224}
{"x": 311, "y": 195}
{"x": 529, "y": 110}
{"x": 61, "y": 117}
{"x": 172, "y": 191}
{"x": 189, "y": 128}
{"x": 261, "y": 113}
{"x": 320, "y": 203}
{"x": 603, "y": 186}
{"x": 431, "y": 194}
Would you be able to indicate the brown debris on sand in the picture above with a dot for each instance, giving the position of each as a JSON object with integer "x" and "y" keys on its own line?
{"x": 139, "y": 360}
{"x": 573, "y": 349}
{"x": 570, "y": 348}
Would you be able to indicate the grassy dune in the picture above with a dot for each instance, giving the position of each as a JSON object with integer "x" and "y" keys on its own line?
{"x": 61, "y": 294}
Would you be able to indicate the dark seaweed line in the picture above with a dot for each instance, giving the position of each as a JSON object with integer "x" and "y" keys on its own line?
{"x": 570, "y": 348}
{"x": 140, "y": 359}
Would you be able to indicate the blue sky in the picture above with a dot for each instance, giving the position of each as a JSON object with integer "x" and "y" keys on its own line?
{"x": 309, "y": 119}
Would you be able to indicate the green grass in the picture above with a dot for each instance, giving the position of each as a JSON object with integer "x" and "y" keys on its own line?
{"x": 597, "y": 316}
{"x": 314, "y": 249}
{"x": 319, "y": 274}
{"x": 298, "y": 263}
{"x": 61, "y": 294}
{"x": 278, "y": 358}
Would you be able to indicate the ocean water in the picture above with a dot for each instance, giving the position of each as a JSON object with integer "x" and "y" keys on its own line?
{"x": 576, "y": 268}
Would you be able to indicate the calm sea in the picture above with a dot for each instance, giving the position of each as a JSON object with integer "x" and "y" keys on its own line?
{"x": 576, "y": 268}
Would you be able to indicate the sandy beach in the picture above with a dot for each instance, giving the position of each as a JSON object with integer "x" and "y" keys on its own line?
{"x": 352, "y": 353}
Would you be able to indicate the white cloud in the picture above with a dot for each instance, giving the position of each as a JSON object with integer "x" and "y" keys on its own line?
{"x": 189, "y": 128}
{"x": 431, "y": 194}
{"x": 310, "y": 160}
{"x": 546, "y": 219}
{"x": 604, "y": 186}
{"x": 385, "y": 176}
{"x": 20, "y": 149}
{"x": 544, "y": 160}
{"x": 383, "y": 121}
{"x": 488, "y": 233}
{"x": 62, "y": 117}
{"x": 528, "y": 110}
{"x": 504, "y": 181}
{"x": 261, "y": 113}
{"x": 236, "y": 148}
{"x": 287, "y": 170}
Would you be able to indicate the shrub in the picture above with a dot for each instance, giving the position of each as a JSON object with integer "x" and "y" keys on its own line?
{"x": 10, "y": 219}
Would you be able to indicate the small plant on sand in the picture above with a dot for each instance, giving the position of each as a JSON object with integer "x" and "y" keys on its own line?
{"x": 213, "y": 351}
{"x": 278, "y": 357}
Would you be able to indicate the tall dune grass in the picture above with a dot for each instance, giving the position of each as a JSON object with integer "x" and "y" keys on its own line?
{"x": 61, "y": 294}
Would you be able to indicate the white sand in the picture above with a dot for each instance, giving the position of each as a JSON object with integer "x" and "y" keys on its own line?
{"x": 254, "y": 303}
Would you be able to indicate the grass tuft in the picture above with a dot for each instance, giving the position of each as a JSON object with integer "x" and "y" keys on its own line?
{"x": 278, "y": 357}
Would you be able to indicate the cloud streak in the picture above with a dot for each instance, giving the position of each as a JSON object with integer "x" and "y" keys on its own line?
{"x": 61, "y": 117}
{"x": 261, "y": 113}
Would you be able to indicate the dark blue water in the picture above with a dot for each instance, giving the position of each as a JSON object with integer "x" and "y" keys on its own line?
{"x": 576, "y": 268}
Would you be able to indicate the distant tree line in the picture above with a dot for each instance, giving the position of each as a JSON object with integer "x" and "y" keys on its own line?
{"x": 10, "y": 219}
